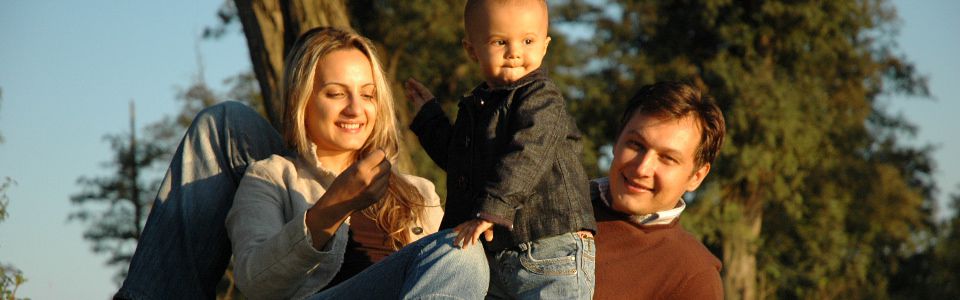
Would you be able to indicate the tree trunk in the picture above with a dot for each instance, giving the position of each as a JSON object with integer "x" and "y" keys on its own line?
{"x": 740, "y": 253}
{"x": 271, "y": 27}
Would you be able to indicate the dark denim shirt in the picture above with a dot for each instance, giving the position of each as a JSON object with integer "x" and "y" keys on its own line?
{"x": 514, "y": 156}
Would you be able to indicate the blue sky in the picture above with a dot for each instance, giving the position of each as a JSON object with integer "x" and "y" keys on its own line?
{"x": 68, "y": 70}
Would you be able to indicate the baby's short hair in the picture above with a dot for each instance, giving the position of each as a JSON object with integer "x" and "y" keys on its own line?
{"x": 470, "y": 10}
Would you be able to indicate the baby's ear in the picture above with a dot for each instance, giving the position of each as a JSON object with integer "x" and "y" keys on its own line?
{"x": 468, "y": 47}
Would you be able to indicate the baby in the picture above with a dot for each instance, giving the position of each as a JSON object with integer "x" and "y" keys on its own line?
{"x": 513, "y": 159}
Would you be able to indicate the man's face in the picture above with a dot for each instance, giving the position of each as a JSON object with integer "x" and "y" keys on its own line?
{"x": 654, "y": 164}
{"x": 508, "y": 40}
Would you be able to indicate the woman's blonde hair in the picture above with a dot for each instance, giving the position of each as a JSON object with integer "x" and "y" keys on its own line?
{"x": 403, "y": 204}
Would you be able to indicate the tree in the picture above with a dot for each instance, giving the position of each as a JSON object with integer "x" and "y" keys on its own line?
{"x": 127, "y": 197}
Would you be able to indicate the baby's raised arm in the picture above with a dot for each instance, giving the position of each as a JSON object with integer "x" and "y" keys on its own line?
{"x": 417, "y": 93}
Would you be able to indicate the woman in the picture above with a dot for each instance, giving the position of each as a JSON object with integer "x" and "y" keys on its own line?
{"x": 286, "y": 223}
{"x": 321, "y": 218}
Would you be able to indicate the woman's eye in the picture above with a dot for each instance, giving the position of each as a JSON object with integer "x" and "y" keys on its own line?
{"x": 335, "y": 95}
{"x": 368, "y": 97}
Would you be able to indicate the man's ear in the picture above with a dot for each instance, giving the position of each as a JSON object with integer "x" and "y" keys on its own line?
{"x": 468, "y": 47}
{"x": 697, "y": 177}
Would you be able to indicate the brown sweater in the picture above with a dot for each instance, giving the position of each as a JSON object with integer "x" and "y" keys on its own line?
{"x": 652, "y": 261}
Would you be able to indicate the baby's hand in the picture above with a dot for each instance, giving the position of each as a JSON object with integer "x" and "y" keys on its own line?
{"x": 469, "y": 232}
{"x": 417, "y": 93}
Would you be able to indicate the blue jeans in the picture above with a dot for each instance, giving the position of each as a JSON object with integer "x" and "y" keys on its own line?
{"x": 430, "y": 268}
{"x": 557, "y": 267}
{"x": 183, "y": 250}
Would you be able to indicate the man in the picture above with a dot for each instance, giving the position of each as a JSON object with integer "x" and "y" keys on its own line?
{"x": 669, "y": 135}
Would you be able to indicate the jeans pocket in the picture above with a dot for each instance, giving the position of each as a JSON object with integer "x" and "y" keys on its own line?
{"x": 551, "y": 256}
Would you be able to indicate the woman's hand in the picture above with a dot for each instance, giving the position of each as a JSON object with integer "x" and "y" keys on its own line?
{"x": 417, "y": 93}
{"x": 360, "y": 185}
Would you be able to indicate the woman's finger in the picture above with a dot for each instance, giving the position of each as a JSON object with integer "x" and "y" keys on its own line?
{"x": 371, "y": 161}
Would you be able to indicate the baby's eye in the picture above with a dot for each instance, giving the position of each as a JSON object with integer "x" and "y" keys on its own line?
{"x": 527, "y": 41}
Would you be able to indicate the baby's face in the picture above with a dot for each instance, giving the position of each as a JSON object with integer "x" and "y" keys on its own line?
{"x": 508, "y": 40}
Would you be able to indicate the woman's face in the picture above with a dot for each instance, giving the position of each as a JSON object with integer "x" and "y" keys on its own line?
{"x": 343, "y": 109}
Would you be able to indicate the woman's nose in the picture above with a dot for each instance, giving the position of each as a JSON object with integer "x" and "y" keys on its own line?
{"x": 353, "y": 105}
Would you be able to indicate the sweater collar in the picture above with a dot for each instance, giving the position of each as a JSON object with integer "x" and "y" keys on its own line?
{"x": 657, "y": 218}
{"x": 317, "y": 168}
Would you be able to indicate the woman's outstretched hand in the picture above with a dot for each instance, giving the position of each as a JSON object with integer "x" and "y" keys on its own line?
{"x": 359, "y": 186}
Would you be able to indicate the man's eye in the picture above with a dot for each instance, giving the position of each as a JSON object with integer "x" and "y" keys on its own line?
{"x": 670, "y": 160}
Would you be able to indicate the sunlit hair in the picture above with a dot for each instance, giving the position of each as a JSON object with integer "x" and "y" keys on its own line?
{"x": 403, "y": 204}
{"x": 678, "y": 100}
{"x": 472, "y": 7}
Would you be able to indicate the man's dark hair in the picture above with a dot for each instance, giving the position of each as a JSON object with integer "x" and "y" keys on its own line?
{"x": 678, "y": 100}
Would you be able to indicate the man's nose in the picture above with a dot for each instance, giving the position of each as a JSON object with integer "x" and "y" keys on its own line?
{"x": 647, "y": 163}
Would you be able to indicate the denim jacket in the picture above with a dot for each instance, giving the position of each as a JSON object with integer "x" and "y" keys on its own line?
{"x": 514, "y": 156}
